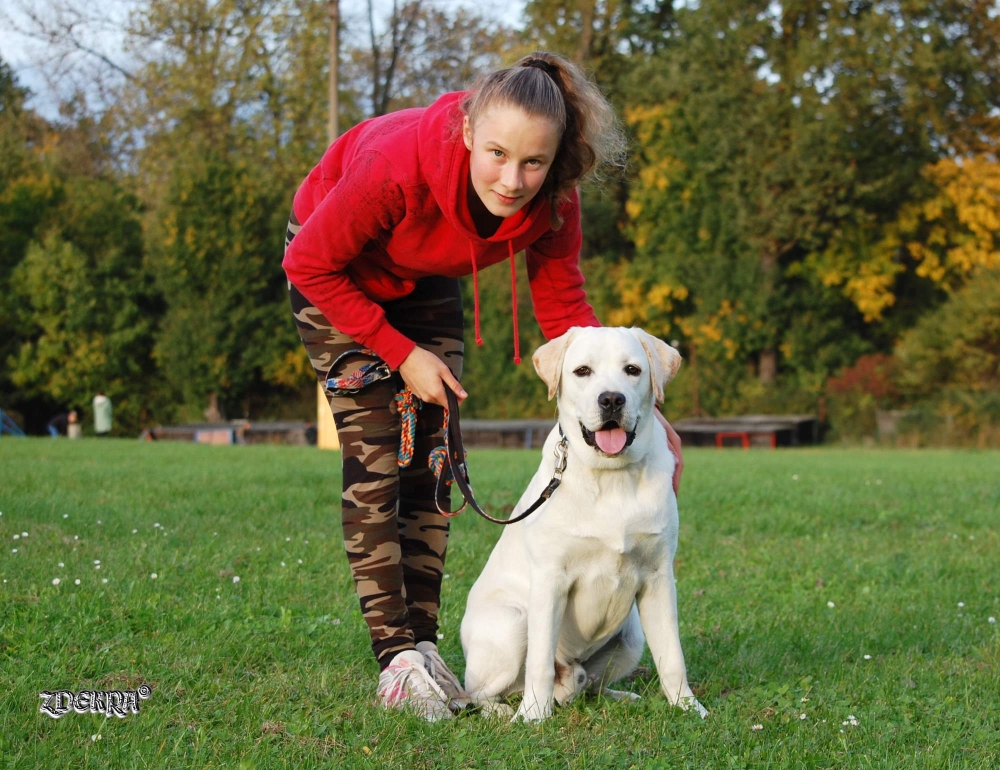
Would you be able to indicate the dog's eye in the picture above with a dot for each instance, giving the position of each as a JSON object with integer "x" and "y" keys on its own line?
{"x": 632, "y": 370}
{"x": 582, "y": 371}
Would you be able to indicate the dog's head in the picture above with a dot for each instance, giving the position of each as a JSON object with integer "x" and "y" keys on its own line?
{"x": 607, "y": 381}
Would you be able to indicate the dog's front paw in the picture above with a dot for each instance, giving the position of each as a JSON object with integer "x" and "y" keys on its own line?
{"x": 691, "y": 703}
{"x": 533, "y": 711}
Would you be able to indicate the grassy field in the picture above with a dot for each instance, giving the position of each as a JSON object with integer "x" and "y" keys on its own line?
{"x": 816, "y": 588}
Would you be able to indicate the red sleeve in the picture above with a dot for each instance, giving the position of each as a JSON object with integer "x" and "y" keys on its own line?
{"x": 366, "y": 202}
{"x": 554, "y": 274}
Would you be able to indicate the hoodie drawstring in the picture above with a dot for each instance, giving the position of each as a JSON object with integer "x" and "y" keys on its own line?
{"x": 513, "y": 301}
{"x": 513, "y": 294}
{"x": 475, "y": 290}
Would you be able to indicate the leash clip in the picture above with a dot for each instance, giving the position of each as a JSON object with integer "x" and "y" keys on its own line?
{"x": 561, "y": 451}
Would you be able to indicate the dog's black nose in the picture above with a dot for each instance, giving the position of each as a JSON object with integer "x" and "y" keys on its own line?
{"x": 611, "y": 400}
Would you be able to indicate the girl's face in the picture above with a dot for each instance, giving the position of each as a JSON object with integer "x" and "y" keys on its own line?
{"x": 512, "y": 153}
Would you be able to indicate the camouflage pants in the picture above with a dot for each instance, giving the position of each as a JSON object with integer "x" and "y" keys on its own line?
{"x": 395, "y": 538}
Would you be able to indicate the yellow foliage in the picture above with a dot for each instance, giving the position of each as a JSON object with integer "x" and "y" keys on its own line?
{"x": 711, "y": 330}
{"x": 960, "y": 225}
{"x": 292, "y": 370}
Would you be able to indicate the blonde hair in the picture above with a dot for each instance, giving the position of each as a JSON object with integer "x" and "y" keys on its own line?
{"x": 548, "y": 86}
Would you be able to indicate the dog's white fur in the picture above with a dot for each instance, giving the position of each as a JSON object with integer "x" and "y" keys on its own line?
{"x": 562, "y": 603}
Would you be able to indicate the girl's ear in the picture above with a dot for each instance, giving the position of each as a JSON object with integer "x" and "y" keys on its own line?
{"x": 467, "y": 133}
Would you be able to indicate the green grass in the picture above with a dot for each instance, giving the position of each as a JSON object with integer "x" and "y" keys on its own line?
{"x": 275, "y": 670}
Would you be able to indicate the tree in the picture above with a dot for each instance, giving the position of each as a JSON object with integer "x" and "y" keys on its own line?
{"x": 418, "y": 53}
{"x": 780, "y": 141}
{"x": 85, "y": 308}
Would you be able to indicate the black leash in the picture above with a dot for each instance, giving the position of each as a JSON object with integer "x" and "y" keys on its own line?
{"x": 455, "y": 452}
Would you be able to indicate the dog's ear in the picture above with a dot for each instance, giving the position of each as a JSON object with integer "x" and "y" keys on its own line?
{"x": 548, "y": 360}
{"x": 664, "y": 361}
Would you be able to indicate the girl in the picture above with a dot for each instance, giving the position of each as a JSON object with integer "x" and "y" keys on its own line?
{"x": 397, "y": 210}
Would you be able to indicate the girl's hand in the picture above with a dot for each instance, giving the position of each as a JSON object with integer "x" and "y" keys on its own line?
{"x": 674, "y": 442}
{"x": 428, "y": 376}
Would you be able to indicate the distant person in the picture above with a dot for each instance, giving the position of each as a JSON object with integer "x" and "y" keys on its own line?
{"x": 73, "y": 428}
{"x": 102, "y": 414}
{"x": 58, "y": 425}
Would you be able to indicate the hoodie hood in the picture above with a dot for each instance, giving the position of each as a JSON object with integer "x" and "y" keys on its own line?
{"x": 444, "y": 161}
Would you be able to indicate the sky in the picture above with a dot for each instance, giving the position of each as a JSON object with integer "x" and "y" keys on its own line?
{"x": 32, "y": 63}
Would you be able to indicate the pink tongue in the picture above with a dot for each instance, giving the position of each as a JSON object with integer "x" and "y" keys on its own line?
{"x": 611, "y": 442}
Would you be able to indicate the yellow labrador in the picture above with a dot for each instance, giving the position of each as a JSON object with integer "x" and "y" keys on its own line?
{"x": 569, "y": 596}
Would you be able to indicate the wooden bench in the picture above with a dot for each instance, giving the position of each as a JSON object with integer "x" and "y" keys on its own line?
{"x": 773, "y": 430}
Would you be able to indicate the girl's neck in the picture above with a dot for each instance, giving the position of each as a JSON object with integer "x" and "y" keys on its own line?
{"x": 486, "y": 223}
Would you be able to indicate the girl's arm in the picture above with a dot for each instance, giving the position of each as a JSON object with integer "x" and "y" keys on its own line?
{"x": 554, "y": 274}
{"x": 364, "y": 203}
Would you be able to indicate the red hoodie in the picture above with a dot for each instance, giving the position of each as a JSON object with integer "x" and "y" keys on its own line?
{"x": 387, "y": 205}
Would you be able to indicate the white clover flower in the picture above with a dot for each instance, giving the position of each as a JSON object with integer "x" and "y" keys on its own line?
{"x": 24, "y": 534}
{"x": 95, "y": 737}
{"x": 76, "y": 537}
{"x": 802, "y": 716}
{"x": 16, "y": 536}
{"x": 97, "y": 561}
{"x": 56, "y": 581}
{"x": 992, "y": 619}
{"x": 446, "y": 576}
{"x": 440, "y": 636}
{"x": 795, "y": 477}
{"x": 831, "y": 605}
{"x": 104, "y": 580}
{"x": 61, "y": 564}
{"x": 153, "y": 576}
{"x": 868, "y": 657}
{"x": 134, "y": 531}
{"x": 336, "y": 621}
{"x": 156, "y": 525}
{"x": 288, "y": 539}
{"x": 65, "y": 515}
{"x": 13, "y": 550}
{"x": 961, "y": 604}
{"x": 757, "y": 728}
{"x": 98, "y": 521}
{"x": 236, "y": 578}
{"x": 282, "y": 564}
{"x": 77, "y": 581}
{"x": 300, "y": 561}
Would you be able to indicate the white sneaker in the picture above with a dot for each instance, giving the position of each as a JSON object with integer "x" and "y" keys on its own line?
{"x": 406, "y": 684}
{"x": 458, "y": 698}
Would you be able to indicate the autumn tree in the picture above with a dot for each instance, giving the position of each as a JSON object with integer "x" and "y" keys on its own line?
{"x": 780, "y": 141}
